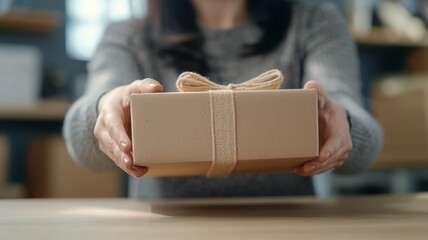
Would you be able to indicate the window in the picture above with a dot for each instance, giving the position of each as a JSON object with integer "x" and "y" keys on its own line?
{"x": 86, "y": 21}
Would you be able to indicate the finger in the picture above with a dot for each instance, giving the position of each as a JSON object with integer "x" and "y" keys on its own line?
{"x": 312, "y": 84}
{"x": 315, "y": 167}
{"x": 299, "y": 171}
{"x": 122, "y": 160}
{"x": 116, "y": 129}
{"x": 137, "y": 171}
{"x": 109, "y": 147}
{"x": 106, "y": 143}
{"x": 332, "y": 163}
{"x": 99, "y": 125}
{"x": 322, "y": 96}
{"x": 147, "y": 85}
{"x": 334, "y": 145}
{"x": 330, "y": 167}
{"x": 334, "y": 150}
{"x": 307, "y": 169}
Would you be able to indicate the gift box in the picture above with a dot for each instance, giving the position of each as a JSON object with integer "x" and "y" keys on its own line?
{"x": 218, "y": 133}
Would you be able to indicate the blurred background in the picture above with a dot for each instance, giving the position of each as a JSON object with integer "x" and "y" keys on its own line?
{"x": 45, "y": 46}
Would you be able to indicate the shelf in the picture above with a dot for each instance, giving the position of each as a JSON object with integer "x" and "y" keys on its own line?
{"x": 54, "y": 109}
{"x": 383, "y": 164}
{"x": 29, "y": 21}
{"x": 385, "y": 37}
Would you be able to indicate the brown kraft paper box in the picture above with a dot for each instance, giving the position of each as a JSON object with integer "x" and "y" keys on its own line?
{"x": 276, "y": 131}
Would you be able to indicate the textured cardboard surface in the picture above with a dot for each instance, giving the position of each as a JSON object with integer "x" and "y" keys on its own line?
{"x": 277, "y": 130}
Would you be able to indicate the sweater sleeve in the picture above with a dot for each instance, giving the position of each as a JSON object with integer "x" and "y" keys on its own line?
{"x": 112, "y": 65}
{"x": 331, "y": 59}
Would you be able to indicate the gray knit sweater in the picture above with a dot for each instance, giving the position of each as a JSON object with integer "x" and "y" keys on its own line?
{"x": 317, "y": 46}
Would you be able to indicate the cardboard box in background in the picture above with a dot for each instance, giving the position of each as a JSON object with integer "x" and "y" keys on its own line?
{"x": 21, "y": 73}
{"x": 276, "y": 130}
{"x": 52, "y": 173}
{"x": 8, "y": 189}
{"x": 402, "y": 111}
{"x": 4, "y": 160}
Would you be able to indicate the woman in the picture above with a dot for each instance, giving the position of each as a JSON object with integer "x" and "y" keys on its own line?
{"x": 229, "y": 41}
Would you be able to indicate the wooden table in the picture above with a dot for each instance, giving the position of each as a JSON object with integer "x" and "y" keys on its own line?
{"x": 382, "y": 217}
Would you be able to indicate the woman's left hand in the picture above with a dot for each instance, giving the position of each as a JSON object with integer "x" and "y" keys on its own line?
{"x": 334, "y": 135}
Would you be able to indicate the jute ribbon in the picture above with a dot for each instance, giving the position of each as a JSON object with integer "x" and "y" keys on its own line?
{"x": 223, "y": 120}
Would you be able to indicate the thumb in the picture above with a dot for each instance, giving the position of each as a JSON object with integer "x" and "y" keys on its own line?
{"x": 147, "y": 85}
{"x": 322, "y": 97}
{"x": 312, "y": 84}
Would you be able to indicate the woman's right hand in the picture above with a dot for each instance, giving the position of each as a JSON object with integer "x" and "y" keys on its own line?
{"x": 113, "y": 126}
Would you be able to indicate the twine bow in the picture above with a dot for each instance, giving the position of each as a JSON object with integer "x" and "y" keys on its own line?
{"x": 223, "y": 119}
{"x": 193, "y": 82}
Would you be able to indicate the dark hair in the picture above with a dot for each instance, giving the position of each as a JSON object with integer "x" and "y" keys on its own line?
{"x": 176, "y": 35}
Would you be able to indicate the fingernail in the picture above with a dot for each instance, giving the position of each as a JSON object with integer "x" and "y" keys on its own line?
{"x": 325, "y": 156}
{"x": 312, "y": 167}
{"x": 126, "y": 159}
{"x": 144, "y": 170}
{"x": 139, "y": 171}
{"x": 152, "y": 85}
{"x": 123, "y": 146}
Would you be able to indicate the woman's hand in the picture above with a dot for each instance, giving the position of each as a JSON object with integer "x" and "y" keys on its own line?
{"x": 334, "y": 135}
{"x": 113, "y": 126}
